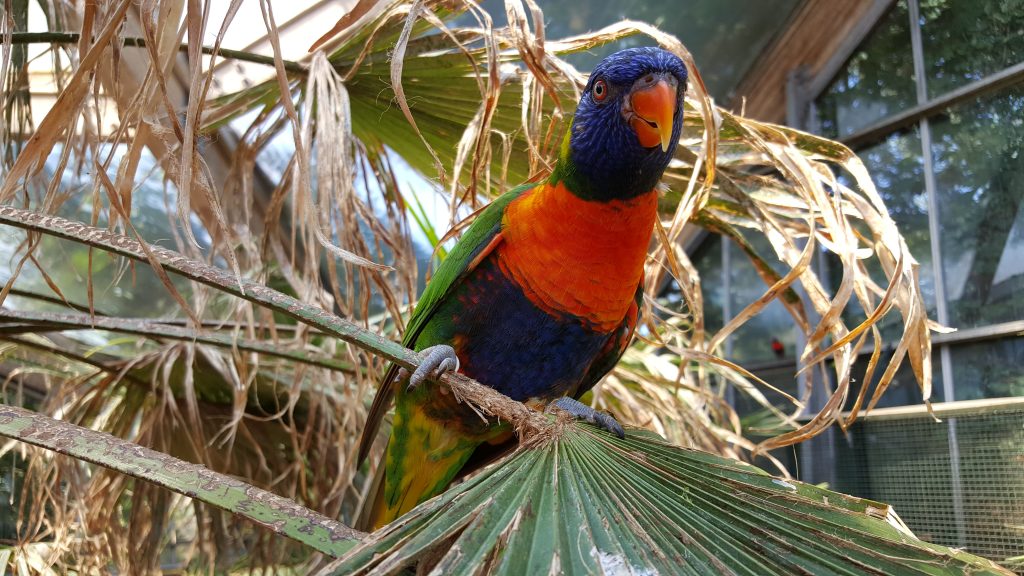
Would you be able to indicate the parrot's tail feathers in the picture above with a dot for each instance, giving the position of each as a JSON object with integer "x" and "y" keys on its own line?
{"x": 417, "y": 467}
{"x": 381, "y": 403}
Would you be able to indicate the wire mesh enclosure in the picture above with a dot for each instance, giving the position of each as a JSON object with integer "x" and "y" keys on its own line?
{"x": 957, "y": 482}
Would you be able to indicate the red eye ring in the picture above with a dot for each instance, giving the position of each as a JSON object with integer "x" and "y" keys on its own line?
{"x": 600, "y": 90}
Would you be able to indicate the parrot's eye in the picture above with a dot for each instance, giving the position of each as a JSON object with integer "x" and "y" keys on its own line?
{"x": 600, "y": 90}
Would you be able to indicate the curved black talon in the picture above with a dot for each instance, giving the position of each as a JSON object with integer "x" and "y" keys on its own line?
{"x": 434, "y": 362}
{"x": 583, "y": 412}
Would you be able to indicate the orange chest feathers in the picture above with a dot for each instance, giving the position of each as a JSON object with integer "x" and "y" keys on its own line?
{"x": 578, "y": 257}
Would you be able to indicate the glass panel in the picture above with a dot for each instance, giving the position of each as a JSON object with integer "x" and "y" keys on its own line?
{"x": 759, "y": 423}
{"x": 132, "y": 291}
{"x": 966, "y": 40}
{"x": 876, "y": 82}
{"x": 771, "y": 335}
{"x": 993, "y": 369}
{"x": 783, "y": 378}
{"x": 902, "y": 391}
{"x": 725, "y": 36}
{"x": 708, "y": 261}
{"x": 980, "y": 185}
{"x": 897, "y": 167}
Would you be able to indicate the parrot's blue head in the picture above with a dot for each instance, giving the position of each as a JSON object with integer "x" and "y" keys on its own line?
{"x": 626, "y": 126}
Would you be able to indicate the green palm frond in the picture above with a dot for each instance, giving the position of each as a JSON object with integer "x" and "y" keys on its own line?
{"x": 584, "y": 502}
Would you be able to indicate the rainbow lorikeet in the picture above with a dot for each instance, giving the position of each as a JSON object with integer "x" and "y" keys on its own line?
{"x": 539, "y": 298}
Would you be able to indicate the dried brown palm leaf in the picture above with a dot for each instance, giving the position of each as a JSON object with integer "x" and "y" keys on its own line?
{"x": 286, "y": 441}
{"x": 63, "y": 116}
{"x": 781, "y": 183}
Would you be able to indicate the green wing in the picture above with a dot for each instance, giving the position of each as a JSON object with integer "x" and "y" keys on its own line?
{"x": 456, "y": 266}
{"x": 452, "y": 270}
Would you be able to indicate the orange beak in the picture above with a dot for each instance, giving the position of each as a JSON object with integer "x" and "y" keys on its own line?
{"x": 654, "y": 109}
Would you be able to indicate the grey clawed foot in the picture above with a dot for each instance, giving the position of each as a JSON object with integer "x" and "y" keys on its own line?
{"x": 434, "y": 362}
{"x": 587, "y": 414}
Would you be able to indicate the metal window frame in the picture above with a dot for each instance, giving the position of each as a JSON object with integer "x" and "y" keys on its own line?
{"x": 919, "y": 115}
{"x": 938, "y": 270}
{"x": 1005, "y": 78}
{"x": 802, "y": 91}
